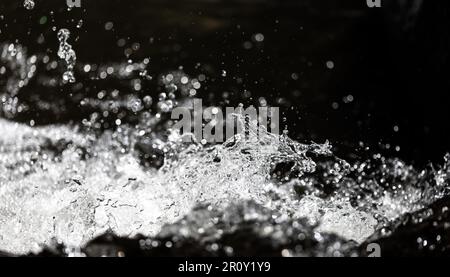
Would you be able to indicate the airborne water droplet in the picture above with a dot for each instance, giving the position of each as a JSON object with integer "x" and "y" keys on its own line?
{"x": 66, "y": 53}
{"x": 29, "y": 4}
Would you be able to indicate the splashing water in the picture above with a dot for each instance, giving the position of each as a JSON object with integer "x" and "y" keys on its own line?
{"x": 66, "y": 53}
{"x": 73, "y": 184}
{"x": 64, "y": 184}
{"x": 76, "y": 197}
{"x": 18, "y": 69}
{"x": 70, "y": 184}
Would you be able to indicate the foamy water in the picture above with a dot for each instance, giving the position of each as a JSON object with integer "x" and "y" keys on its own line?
{"x": 60, "y": 183}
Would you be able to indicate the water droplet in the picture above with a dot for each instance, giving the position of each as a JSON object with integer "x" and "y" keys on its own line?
{"x": 29, "y": 4}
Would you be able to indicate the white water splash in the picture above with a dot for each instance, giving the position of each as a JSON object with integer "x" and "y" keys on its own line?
{"x": 58, "y": 183}
{"x": 73, "y": 198}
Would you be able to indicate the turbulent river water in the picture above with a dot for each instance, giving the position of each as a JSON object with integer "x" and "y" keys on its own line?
{"x": 70, "y": 183}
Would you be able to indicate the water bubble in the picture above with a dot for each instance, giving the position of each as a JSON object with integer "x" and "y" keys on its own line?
{"x": 109, "y": 26}
{"x": 330, "y": 64}
{"x": 259, "y": 37}
{"x": 184, "y": 80}
{"x": 87, "y": 68}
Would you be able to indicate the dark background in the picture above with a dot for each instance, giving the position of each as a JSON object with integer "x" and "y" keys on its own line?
{"x": 393, "y": 61}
